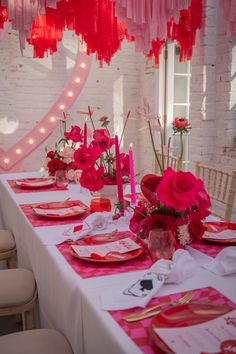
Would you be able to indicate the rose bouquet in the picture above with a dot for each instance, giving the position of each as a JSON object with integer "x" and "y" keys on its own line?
{"x": 97, "y": 160}
{"x": 174, "y": 203}
{"x": 62, "y": 157}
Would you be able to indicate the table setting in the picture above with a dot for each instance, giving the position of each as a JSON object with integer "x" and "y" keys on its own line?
{"x": 138, "y": 263}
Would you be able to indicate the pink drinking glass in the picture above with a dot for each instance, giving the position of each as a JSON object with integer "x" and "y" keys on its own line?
{"x": 62, "y": 180}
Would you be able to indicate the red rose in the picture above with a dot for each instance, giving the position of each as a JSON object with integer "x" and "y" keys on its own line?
{"x": 178, "y": 190}
{"x": 196, "y": 227}
{"x": 124, "y": 160}
{"x": 204, "y": 203}
{"x": 102, "y": 139}
{"x": 138, "y": 218}
{"x": 51, "y": 154}
{"x": 165, "y": 222}
{"x": 181, "y": 123}
{"x": 85, "y": 157}
{"x": 149, "y": 185}
{"x": 92, "y": 179}
{"x": 55, "y": 165}
{"x": 74, "y": 134}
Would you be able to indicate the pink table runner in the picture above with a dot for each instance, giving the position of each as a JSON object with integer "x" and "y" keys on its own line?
{"x": 209, "y": 249}
{"x": 138, "y": 331}
{"x": 17, "y": 189}
{"x": 89, "y": 269}
{"x": 37, "y": 220}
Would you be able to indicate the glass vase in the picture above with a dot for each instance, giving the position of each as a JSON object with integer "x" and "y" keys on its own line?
{"x": 161, "y": 244}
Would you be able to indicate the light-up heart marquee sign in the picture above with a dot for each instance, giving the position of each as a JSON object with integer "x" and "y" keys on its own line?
{"x": 35, "y": 137}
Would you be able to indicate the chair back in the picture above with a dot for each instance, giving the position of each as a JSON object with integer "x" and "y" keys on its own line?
{"x": 221, "y": 187}
{"x": 168, "y": 161}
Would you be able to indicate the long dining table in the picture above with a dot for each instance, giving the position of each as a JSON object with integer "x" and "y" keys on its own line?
{"x": 70, "y": 301}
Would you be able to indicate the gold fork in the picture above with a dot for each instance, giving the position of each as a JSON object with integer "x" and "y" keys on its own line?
{"x": 154, "y": 310}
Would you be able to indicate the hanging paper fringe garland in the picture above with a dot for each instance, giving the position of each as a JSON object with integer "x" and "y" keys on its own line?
{"x": 3, "y": 15}
{"x": 103, "y": 24}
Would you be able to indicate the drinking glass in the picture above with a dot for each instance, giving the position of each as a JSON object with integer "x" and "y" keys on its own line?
{"x": 100, "y": 204}
{"x": 62, "y": 180}
{"x": 161, "y": 244}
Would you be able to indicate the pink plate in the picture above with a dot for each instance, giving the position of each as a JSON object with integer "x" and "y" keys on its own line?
{"x": 111, "y": 257}
{"x": 216, "y": 227}
{"x": 184, "y": 316}
{"x": 34, "y": 183}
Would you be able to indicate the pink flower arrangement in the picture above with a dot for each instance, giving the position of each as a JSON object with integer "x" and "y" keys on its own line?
{"x": 177, "y": 202}
{"x": 97, "y": 160}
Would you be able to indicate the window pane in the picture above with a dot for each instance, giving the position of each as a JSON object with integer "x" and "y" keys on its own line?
{"x": 180, "y": 111}
{"x": 180, "y": 89}
{"x": 180, "y": 67}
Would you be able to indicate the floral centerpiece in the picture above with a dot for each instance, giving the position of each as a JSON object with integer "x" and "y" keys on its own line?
{"x": 175, "y": 201}
{"x": 97, "y": 160}
{"x": 62, "y": 157}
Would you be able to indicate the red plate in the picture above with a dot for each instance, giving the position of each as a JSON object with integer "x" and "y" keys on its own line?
{"x": 33, "y": 183}
{"x": 216, "y": 227}
{"x": 58, "y": 206}
{"x": 112, "y": 257}
{"x": 184, "y": 316}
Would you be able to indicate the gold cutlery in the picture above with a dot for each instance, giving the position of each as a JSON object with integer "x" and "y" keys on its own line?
{"x": 154, "y": 310}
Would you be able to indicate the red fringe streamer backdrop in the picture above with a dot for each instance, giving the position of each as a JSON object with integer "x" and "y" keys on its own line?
{"x": 97, "y": 24}
{"x": 3, "y": 15}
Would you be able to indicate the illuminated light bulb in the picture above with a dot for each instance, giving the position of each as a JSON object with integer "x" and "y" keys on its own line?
{"x": 18, "y": 151}
{"x": 77, "y": 80}
{"x": 70, "y": 94}
{"x": 6, "y": 160}
{"x": 52, "y": 119}
{"x": 42, "y": 130}
{"x": 62, "y": 107}
{"x": 31, "y": 141}
{"x": 83, "y": 65}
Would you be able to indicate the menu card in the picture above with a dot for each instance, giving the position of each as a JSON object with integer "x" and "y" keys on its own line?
{"x": 122, "y": 246}
{"x": 223, "y": 235}
{"x": 206, "y": 337}
{"x": 61, "y": 212}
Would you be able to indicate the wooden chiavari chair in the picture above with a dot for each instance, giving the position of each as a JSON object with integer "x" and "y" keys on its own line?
{"x": 221, "y": 187}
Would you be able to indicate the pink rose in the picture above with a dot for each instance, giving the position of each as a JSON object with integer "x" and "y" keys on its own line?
{"x": 67, "y": 154}
{"x": 85, "y": 157}
{"x": 74, "y": 134}
{"x": 178, "y": 190}
{"x": 92, "y": 179}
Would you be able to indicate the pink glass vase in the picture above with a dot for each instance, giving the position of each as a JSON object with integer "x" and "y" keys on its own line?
{"x": 161, "y": 244}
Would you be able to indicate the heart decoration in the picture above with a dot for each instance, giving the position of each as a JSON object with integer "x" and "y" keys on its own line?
{"x": 26, "y": 145}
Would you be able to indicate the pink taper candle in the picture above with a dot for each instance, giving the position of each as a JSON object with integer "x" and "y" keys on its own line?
{"x": 131, "y": 175}
{"x": 118, "y": 171}
{"x": 85, "y": 133}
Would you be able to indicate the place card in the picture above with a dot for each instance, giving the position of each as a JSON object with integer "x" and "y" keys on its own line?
{"x": 121, "y": 246}
{"x": 206, "y": 337}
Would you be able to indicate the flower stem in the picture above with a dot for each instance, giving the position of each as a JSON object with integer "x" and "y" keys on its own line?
{"x": 153, "y": 146}
{"x": 181, "y": 150}
{"x": 123, "y": 130}
{"x": 90, "y": 117}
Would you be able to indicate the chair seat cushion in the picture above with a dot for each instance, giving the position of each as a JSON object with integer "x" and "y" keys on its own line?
{"x": 37, "y": 341}
{"x": 17, "y": 287}
{"x": 7, "y": 241}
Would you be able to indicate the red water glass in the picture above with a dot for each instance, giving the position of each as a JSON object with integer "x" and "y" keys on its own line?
{"x": 100, "y": 204}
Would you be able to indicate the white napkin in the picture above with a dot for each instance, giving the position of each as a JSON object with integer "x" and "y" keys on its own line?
{"x": 223, "y": 264}
{"x": 97, "y": 222}
{"x": 140, "y": 291}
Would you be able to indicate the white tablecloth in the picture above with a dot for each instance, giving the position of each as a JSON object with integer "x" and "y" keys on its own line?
{"x": 68, "y": 302}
